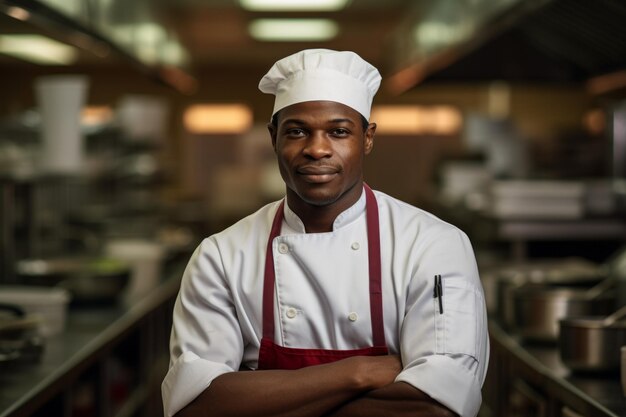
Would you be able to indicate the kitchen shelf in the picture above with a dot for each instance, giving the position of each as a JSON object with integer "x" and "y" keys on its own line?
{"x": 93, "y": 336}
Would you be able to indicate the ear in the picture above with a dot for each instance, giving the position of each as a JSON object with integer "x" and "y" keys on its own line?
{"x": 272, "y": 129}
{"x": 369, "y": 138}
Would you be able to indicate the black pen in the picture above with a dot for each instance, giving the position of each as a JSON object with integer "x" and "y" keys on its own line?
{"x": 438, "y": 292}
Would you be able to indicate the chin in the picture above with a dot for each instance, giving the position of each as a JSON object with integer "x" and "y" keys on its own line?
{"x": 317, "y": 195}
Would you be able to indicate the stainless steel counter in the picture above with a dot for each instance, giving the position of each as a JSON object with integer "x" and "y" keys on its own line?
{"x": 80, "y": 355}
{"x": 555, "y": 387}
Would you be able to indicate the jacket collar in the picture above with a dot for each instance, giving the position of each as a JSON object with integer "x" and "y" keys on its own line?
{"x": 346, "y": 217}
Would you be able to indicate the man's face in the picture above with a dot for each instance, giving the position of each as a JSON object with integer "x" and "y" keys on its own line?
{"x": 320, "y": 147}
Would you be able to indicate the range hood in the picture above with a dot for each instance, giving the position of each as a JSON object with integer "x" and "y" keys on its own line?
{"x": 552, "y": 41}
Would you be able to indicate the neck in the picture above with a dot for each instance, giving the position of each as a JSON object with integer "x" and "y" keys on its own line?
{"x": 320, "y": 218}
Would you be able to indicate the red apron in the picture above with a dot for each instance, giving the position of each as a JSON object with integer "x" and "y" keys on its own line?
{"x": 272, "y": 356}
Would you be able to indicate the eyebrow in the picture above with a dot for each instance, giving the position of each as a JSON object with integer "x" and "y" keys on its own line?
{"x": 343, "y": 121}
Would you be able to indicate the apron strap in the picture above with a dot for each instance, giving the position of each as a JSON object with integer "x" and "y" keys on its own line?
{"x": 270, "y": 277}
{"x": 375, "y": 270}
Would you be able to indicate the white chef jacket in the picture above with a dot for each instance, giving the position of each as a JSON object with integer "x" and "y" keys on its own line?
{"x": 322, "y": 300}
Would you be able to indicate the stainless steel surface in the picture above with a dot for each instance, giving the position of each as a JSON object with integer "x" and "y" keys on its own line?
{"x": 589, "y": 394}
{"x": 92, "y": 333}
{"x": 586, "y": 344}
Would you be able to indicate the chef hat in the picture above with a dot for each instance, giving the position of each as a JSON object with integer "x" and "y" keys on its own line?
{"x": 322, "y": 74}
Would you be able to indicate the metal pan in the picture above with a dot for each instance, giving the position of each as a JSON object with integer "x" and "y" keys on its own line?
{"x": 568, "y": 272}
{"x": 593, "y": 344}
{"x": 538, "y": 309}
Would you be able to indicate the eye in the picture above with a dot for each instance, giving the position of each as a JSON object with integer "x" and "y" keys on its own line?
{"x": 340, "y": 132}
{"x": 295, "y": 132}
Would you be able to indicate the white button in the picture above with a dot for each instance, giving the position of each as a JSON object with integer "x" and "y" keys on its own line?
{"x": 291, "y": 312}
{"x": 353, "y": 316}
{"x": 283, "y": 248}
{"x": 355, "y": 246}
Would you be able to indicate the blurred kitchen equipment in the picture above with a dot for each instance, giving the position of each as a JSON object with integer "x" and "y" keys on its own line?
{"x": 88, "y": 280}
{"x": 143, "y": 118}
{"x": 575, "y": 272}
{"x": 618, "y": 269}
{"x": 538, "y": 199}
{"x": 60, "y": 99}
{"x": 617, "y": 133}
{"x": 623, "y": 368}
{"x": 50, "y": 304}
{"x": 14, "y": 323}
{"x": 538, "y": 309}
{"x": 18, "y": 335}
{"x": 145, "y": 258}
{"x": 593, "y": 344}
{"x": 460, "y": 178}
{"x": 497, "y": 137}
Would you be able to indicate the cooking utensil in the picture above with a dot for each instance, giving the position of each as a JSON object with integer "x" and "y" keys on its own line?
{"x": 593, "y": 344}
{"x": 88, "y": 280}
{"x": 568, "y": 272}
{"x": 538, "y": 309}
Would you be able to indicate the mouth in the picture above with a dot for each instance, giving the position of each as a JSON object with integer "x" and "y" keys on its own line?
{"x": 317, "y": 174}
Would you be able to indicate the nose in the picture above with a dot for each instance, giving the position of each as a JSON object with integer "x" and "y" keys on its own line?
{"x": 318, "y": 146}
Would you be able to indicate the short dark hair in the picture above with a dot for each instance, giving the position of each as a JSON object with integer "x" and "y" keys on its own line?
{"x": 364, "y": 121}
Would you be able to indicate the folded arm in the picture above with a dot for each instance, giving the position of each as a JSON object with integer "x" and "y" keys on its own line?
{"x": 395, "y": 400}
{"x": 308, "y": 392}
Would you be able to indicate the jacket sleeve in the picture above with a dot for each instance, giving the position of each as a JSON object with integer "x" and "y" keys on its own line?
{"x": 206, "y": 338}
{"x": 445, "y": 348}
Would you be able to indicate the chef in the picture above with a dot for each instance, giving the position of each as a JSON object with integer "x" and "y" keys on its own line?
{"x": 337, "y": 300}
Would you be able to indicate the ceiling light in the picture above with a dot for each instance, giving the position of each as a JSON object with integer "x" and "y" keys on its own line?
{"x": 94, "y": 116}
{"x": 293, "y": 5}
{"x": 416, "y": 120}
{"x": 217, "y": 118}
{"x": 38, "y": 49}
{"x": 293, "y": 29}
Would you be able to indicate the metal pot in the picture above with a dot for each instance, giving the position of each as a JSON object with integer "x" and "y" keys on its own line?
{"x": 592, "y": 344}
{"x": 569, "y": 272}
{"x": 538, "y": 309}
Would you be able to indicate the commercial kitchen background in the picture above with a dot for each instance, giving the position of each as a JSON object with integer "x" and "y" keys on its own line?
{"x": 506, "y": 118}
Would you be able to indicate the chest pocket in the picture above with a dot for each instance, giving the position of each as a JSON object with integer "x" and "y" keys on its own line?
{"x": 459, "y": 325}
